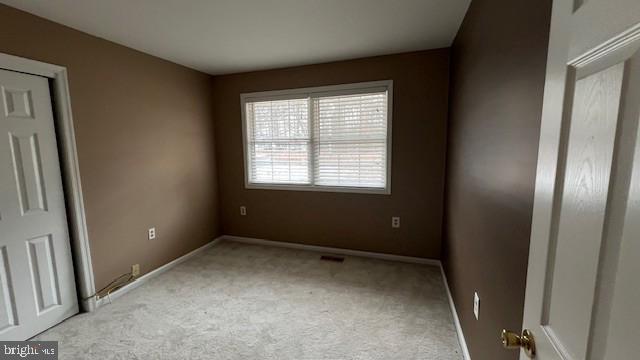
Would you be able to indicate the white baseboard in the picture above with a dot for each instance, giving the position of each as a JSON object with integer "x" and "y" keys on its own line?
{"x": 456, "y": 320}
{"x": 150, "y": 275}
{"x": 407, "y": 259}
{"x": 331, "y": 250}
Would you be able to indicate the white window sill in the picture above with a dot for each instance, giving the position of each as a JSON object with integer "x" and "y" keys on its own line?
{"x": 337, "y": 189}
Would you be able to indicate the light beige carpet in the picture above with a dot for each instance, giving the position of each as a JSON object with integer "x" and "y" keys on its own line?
{"x": 238, "y": 301}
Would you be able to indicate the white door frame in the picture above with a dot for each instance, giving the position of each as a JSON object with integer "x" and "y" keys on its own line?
{"x": 66, "y": 139}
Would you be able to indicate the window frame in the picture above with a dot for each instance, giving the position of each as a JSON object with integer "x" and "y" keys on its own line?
{"x": 318, "y": 91}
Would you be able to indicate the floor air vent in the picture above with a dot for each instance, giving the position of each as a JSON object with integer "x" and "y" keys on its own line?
{"x": 332, "y": 258}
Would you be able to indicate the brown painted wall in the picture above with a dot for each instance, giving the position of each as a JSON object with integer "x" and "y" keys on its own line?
{"x": 498, "y": 68}
{"x": 144, "y": 130}
{"x": 353, "y": 221}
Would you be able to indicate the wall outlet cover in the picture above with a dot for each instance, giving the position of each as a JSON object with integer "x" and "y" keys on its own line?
{"x": 395, "y": 222}
{"x": 135, "y": 270}
{"x": 152, "y": 233}
{"x": 243, "y": 210}
{"x": 476, "y": 305}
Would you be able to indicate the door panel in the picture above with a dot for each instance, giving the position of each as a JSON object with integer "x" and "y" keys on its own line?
{"x": 623, "y": 318}
{"x": 8, "y": 316}
{"x": 596, "y": 104}
{"x": 28, "y": 171}
{"x": 37, "y": 286}
{"x": 43, "y": 273}
{"x": 17, "y": 103}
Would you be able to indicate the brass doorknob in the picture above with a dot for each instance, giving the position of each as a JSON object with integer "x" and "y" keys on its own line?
{"x": 511, "y": 340}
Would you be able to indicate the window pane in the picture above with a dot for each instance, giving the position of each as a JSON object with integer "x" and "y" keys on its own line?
{"x": 351, "y": 164}
{"x": 278, "y": 141}
{"x": 280, "y": 162}
{"x": 280, "y": 120}
{"x": 350, "y": 140}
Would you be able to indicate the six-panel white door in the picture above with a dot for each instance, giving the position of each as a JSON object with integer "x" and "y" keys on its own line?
{"x": 583, "y": 293}
{"x": 37, "y": 286}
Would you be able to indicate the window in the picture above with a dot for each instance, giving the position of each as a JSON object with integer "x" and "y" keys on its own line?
{"x": 331, "y": 138}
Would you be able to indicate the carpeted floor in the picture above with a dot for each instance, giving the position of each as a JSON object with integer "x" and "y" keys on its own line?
{"x": 238, "y": 301}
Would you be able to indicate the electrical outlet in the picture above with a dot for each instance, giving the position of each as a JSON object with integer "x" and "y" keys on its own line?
{"x": 395, "y": 222}
{"x": 135, "y": 270}
{"x": 476, "y": 305}
{"x": 152, "y": 233}
{"x": 243, "y": 210}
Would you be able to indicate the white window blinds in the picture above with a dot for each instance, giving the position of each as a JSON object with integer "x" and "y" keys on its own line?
{"x": 279, "y": 141}
{"x": 328, "y": 139}
{"x": 350, "y": 140}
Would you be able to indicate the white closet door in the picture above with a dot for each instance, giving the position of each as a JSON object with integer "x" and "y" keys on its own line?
{"x": 37, "y": 286}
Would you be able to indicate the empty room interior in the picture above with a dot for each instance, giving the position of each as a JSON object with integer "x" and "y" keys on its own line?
{"x": 319, "y": 179}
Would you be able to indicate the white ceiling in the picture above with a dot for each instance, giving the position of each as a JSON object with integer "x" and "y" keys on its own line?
{"x": 228, "y": 36}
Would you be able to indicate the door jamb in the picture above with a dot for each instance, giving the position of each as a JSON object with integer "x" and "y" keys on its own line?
{"x": 70, "y": 169}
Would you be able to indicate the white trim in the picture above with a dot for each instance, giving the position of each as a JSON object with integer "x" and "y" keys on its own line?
{"x": 150, "y": 275}
{"x": 626, "y": 38}
{"x": 322, "y": 188}
{"x": 309, "y": 92}
{"x": 456, "y": 320}
{"x": 75, "y": 200}
{"x": 71, "y": 170}
{"x": 331, "y": 250}
{"x": 352, "y": 88}
{"x": 28, "y": 66}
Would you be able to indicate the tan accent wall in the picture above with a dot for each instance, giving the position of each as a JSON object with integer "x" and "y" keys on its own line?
{"x": 343, "y": 220}
{"x": 498, "y": 67}
{"x": 144, "y": 130}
